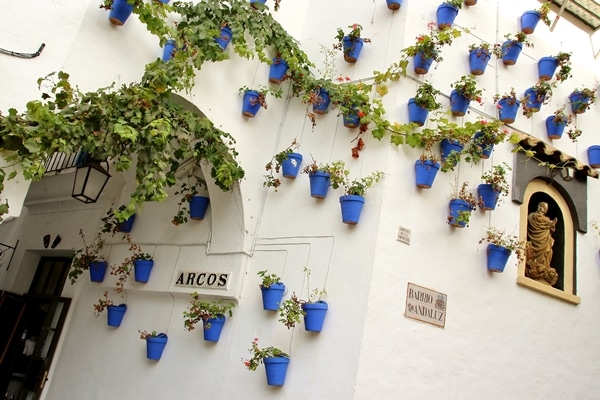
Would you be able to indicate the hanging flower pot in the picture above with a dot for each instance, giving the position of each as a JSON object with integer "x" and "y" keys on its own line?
{"x": 459, "y": 104}
{"x": 508, "y": 110}
{"x": 478, "y": 60}
{"x": 416, "y": 113}
{"x": 446, "y": 14}
{"x": 488, "y": 197}
{"x": 487, "y": 146}
{"x": 276, "y": 369}
{"x": 319, "y": 184}
{"x": 251, "y": 103}
{"x": 272, "y": 295}
{"x": 142, "y": 269}
{"x": 155, "y": 346}
{"x": 497, "y": 257}
{"x": 351, "y": 208}
{"x": 116, "y": 314}
{"x": 127, "y": 225}
{"x": 470, "y": 2}
{"x": 455, "y": 209}
{"x": 510, "y": 52}
{"x": 579, "y": 102}
{"x": 291, "y": 165}
{"x": 98, "y": 270}
{"x": 529, "y": 21}
{"x": 425, "y": 171}
{"x": 322, "y": 104}
{"x": 225, "y": 37}
{"x": 213, "y": 328}
{"x": 277, "y": 70}
{"x": 198, "y": 207}
{"x": 168, "y": 50}
{"x": 120, "y": 12}
{"x": 352, "y": 48}
{"x": 546, "y": 67}
{"x": 314, "y": 315}
{"x": 533, "y": 102}
{"x": 421, "y": 63}
{"x": 594, "y": 156}
{"x": 254, "y": 2}
{"x": 555, "y": 130}
{"x": 448, "y": 146}
{"x": 351, "y": 119}
{"x": 394, "y": 4}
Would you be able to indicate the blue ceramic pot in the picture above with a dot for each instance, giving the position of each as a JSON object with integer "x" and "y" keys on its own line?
{"x": 116, "y": 314}
{"x": 554, "y": 130}
{"x": 508, "y": 112}
{"x": 546, "y": 68}
{"x": 322, "y": 104}
{"x": 416, "y": 113}
{"x": 98, "y": 270}
{"x": 529, "y": 21}
{"x": 291, "y": 165}
{"x": 351, "y": 208}
{"x": 213, "y": 328}
{"x": 488, "y": 197}
{"x": 155, "y": 346}
{"x": 276, "y": 369}
{"x": 120, "y": 12}
{"x": 142, "y": 269}
{"x": 319, "y": 184}
{"x": 459, "y": 104}
{"x": 497, "y": 257}
{"x": 198, "y": 207}
{"x": 272, "y": 296}
{"x": 314, "y": 315}
{"x": 478, "y": 61}
{"x": 510, "y": 52}
{"x": 426, "y": 172}
{"x": 352, "y": 48}
{"x": 277, "y": 70}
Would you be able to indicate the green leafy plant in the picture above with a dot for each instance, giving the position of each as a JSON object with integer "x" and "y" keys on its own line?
{"x": 202, "y": 311}
{"x": 145, "y": 334}
{"x": 463, "y": 193}
{"x": 268, "y": 279}
{"x": 544, "y": 10}
{"x": 359, "y": 186}
{"x": 564, "y": 66}
{"x": 84, "y": 256}
{"x": 497, "y": 177}
{"x": 500, "y": 238}
{"x": 143, "y": 256}
{"x": 510, "y": 97}
{"x": 354, "y": 34}
{"x": 430, "y": 45}
{"x": 467, "y": 87}
{"x": 541, "y": 92}
{"x": 187, "y": 190}
{"x": 274, "y": 166}
{"x": 258, "y": 355}
{"x": 500, "y": 49}
{"x": 589, "y": 93}
{"x": 455, "y": 3}
{"x": 481, "y": 48}
{"x": 487, "y": 133}
{"x": 314, "y": 295}
{"x": 290, "y": 311}
{"x": 562, "y": 118}
{"x": 426, "y": 96}
{"x": 336, "y": 169}
{"x": 123, "y": 270}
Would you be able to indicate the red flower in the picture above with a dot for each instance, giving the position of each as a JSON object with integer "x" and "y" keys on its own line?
{"x": 361, "y": 114}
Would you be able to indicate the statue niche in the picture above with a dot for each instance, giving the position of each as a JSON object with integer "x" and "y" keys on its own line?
{"x": 540, "y": 230}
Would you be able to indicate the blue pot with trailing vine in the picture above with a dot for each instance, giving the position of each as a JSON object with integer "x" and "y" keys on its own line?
{"x": 168, "y": 50}
{"x": 421, "y": 63}
{"x": 555, "y": 129}
{"x": 446, "y": 14}
{"x": 478, "y": 60}
{"x": 459, "y": 104}
{"x": 116, "y": 314}
{"x": 352, "y": 47}
{"x": 291, "y": 165}
{"x": 127, "y": 225}
{"x": 448, "y": 146}
{"x": 507, "y": 110}
{"x": 486, "y": 146}
{"x": 510, "y": 52}
{"x": 533, "y": 102}
{"x": 488, "y": 197}
{"x": 546, "y": 68}
{"x": 529, "y": 21}
{"x": 272, "y": 295}
{"x": 416, "y": 113}
{"x": 426, "y": 171}
{"x": 119, "y": 13}
{"x": 319, "y": 184}
{"x": 225, "y": 37}
{"x": 213, "y": 327}
{"x": 497, "y": 257}
{"x": 276, "y": 370}
{"x": 277, "y": 70}
{"x": 314, "y": 315}
{"x": 351, "y": 119}
{"x": 253, "y": 2}
{"x": 322, "y": 104}
{"x": 98, "y": 270}
{"x": 351, "y": 206}
{"x": 579, "y": 102}
{"x": 142, "y": 270}
{"x": 251, "y": 103}
{"x": 456, "y": 209}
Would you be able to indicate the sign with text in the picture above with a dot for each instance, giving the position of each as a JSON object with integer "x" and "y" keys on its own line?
{"x": 204, "y": 280}
{"x": 425, "y": 305}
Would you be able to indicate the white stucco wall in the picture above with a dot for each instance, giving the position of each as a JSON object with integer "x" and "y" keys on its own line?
{"x": 500, "y": 340}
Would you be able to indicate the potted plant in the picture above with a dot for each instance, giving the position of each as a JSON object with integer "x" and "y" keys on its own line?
{"x": 582, "y": 99}
{"x": 155, "y": 343}
{"x": 530, "y": 18}
{"x": 511, "y": 48}
{"x": 447, "y": 12}
{"x": 211, "y": 313}
{"x": 507, "y": 106}
{"x": 278, "y": 69}
{"x": 425, "y": 100}
{"x": 119, "y": 11}
{"x": 452, "y": 138}
{"x": 314, "y": 308}
{"x": 350, "y": 43}
{"x": 353, "y": 200}
{"x": 462, "y": 203}
{"x": 495, "y": 185}
{"x": 290, "y": 311}
{"x": 353, "y": 99}
{"x": 479, "y": 56}
{"x": 225, "y": 36}
{"x": 557, "y": 122}
{"x": 547, "y": 66}
{"x": 272, "y": 290}
{"x": 428, "y": 48}
{"x": 88, "y": 258}
{"x": 142, "y": 267}
{"x": 276, "y": 362}
{"x": 189, "y": 192}
{"x": 286, "y": 160}
{"x": 464, "y": 91}
{"x": 500, "y": 247}
{"x": 115, "y": 312}
{"x": 256, "y": 98}
{"x": 536, "y": 96}
{"x": 324, "y": 175}
{"x": 488, "y": 134}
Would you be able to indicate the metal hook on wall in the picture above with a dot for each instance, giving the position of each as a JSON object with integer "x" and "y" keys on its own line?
{"x": 24, "y": 55}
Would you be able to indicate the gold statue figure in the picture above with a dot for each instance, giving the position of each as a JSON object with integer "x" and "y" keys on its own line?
{"x": 539, "y": 255}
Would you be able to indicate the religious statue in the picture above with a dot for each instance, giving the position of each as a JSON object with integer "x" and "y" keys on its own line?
{"x": 539, "y": 254}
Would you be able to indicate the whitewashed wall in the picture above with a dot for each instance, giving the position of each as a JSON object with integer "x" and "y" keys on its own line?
{"x": 500, "y": 340}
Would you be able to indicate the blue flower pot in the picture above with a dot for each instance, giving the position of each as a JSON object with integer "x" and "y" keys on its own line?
{"x": 448, "y": 146}
{"x": 421, "y": 63}
{"x": 116, "y": 314}
{"x": 351, "y": 208}
{"x": 546, "y": 68}
{"x": 291, "y": 165}
{"x": 486, "y": 147}
{"x": 416, "y": 113}
{"x": 594, "y": 156}
{"x": 168, "y": 50}
{"x": 459, "y": 104}
{"x": 456, "y": 208}
{"x": 446, "y": 14}
{"x": 120, "y": 12}
{"x": 98, "y": 270}
{"x": 276, "y": 369}
{"x": 497, "y": 257}
{"x": 224, "y": 38}
{"x": 393, "y": 4}
{"x": 198, "y": 207}
{"x": 319, "y": 184}
{"x": 425, "y": 173}
{"x": 277, "y": 70}
{"x": 529, "y": 21}
{"x": 323, "y": 100}
{"x": 272, "y": 296}
{"x": 508, "y": 112}
{"x": 314, "y": 315}
{"x": 127, "y": 226}
{"x": 254, "y": 2}
{"x": 478, "y": 61}
{"x": 351, "y": 119}
{"x": 142, "y": 269}
{"x": 251, "y": 104}
{"x": 213, "y": 328}
{"x": 155, "y": 346}
{"x": 352, "y": 48}
{"x": 554, "y": 130}
{"x": 579, "y": 102}
{"x": 488, "y": 197}
{"x": 532, "y": 101}
{"x": 510, "y": 52}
